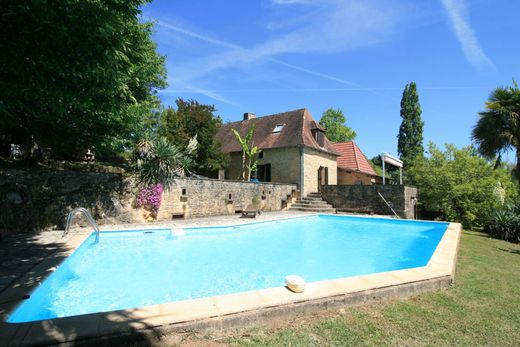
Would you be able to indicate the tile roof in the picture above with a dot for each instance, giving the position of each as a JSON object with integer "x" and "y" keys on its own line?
{"x": 352, "y": 158}
{"x": 296, "y": 132}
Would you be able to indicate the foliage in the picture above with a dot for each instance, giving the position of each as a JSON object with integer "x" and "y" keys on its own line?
{"x": 194, "y": 119}
{"x": 410, "y": 137}
{"x": 391, "y": 172}
{"x": 158, "y": 161}
{"x": 249, "y": 153}
{"x": 333, "y": 121}
{"x": 459, "y": 185}
{"x": 150, "y": 198}
{"x": 498, "y": 128}
{"x": 84, "y": 71}
{"x": 504, "y": 222}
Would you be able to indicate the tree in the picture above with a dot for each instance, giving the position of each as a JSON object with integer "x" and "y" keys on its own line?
{"x": 76, "y": 74}
{"x": 194, "y": 119}
{"x": 410, "y": 137}
{"x": 458, "y": 185}
{"x": 498, "y": 128}
{"x": 249, "y": 153}
{"x": 333, "y": 121}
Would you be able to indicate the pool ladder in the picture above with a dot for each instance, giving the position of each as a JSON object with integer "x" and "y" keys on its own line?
{"x": 87, "y": 215}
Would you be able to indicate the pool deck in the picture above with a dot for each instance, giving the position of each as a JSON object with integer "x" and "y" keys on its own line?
{"x": 214, "y": 314}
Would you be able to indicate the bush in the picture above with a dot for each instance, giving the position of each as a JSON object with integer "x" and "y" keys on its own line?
{"x": 458, "y": 185}
{"x": 504, "y": 222}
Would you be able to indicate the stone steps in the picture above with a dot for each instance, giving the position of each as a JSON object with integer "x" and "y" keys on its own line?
{"x": 312, "y": 203}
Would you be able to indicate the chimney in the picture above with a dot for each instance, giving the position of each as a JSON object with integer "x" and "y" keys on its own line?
{"x": 249, "y": 116}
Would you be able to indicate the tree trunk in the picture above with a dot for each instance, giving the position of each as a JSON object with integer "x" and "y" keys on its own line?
{"x": 243, "y": 164}
{"x": 517, "y": 171}
{"x": 248, "y": 175}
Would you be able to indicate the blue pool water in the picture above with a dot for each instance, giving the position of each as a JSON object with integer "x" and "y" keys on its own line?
{"x": 129, "y": 269}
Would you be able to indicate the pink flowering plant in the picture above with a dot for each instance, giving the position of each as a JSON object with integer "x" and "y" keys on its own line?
{"x": 150, "y": 198}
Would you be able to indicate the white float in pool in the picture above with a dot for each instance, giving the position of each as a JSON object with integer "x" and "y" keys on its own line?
{"x": 178, "y": 232}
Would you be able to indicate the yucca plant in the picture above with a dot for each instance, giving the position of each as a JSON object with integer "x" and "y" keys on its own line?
{"x": 504, "y": 223}
{"x": 157, "y": 163}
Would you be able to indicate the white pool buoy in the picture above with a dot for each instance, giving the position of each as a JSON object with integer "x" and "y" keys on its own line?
{"x": 178, "y": 232}
{"x": 295, "y": 283}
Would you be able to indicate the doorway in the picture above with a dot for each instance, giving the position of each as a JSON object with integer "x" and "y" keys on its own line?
{"x": 323, "y": 177}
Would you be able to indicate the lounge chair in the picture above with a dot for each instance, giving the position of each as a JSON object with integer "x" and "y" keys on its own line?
{"x": 251, "y": 211}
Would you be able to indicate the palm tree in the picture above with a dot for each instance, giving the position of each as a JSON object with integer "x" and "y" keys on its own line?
{"x": 498, "y": 129}
{"x": 158, "y": 161}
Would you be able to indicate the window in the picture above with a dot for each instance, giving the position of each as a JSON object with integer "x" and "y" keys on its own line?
{"x": 278, "y": 128}
{"x": 260, "y": 154}
{"x": 263, "y": 173}
{"x": 319, "y": 136}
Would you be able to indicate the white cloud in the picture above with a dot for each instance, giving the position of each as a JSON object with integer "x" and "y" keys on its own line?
{"x": 333, "y": 26}
{"x": 457, "y": 12}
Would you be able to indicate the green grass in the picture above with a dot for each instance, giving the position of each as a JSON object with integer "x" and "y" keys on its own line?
{"x": 483, "y": 308}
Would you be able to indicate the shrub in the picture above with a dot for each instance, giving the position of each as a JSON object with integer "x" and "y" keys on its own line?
{"x": 158, "y": 161}
{"x": 504, "y": 222}
{"x": 150, "y": 199}
{"x": 459, "y": 185}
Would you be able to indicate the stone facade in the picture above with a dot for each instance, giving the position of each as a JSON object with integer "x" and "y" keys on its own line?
{"x": 286, "y": 166}
{"x": 403, "y": 199}
{"x": 312, "y": 161}
{"x": 347, "y": 177}
{"x": 37, "y": 199}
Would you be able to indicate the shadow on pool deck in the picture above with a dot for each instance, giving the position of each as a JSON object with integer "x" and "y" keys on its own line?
{"x": 19, "y": 253}
{"x": 20, "y": 256}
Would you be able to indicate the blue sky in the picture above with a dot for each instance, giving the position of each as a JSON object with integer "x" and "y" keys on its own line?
{"x": 271, "y": 56}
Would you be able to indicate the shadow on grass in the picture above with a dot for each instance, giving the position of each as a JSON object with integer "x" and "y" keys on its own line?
{"x": 23, "y": 269}
{"x": 510, "y": 250}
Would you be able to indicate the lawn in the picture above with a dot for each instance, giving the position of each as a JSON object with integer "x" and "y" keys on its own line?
{"x": 483, "y": 308}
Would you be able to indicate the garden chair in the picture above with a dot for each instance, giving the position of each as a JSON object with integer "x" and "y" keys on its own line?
{"x": 251, "y": 211}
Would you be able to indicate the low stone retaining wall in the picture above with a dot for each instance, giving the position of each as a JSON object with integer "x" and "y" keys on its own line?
{"x": 40, "y": 198}
{"x": 206, "y": 197}
{"x": 365, "y": 197}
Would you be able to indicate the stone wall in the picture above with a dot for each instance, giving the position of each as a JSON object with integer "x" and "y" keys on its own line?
{"x": 347, "y": 177}
{"x": 312, "y": 160}
{"x": 365, "y": 197}
{"x": 205, "y": 197}
{"x": 40, "y": 198}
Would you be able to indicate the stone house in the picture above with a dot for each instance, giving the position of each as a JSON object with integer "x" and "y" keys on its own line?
{"x": 294, "y": 149}
{"x": 353, "y": 165}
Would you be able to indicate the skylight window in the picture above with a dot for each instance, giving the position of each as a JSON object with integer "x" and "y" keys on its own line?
{"x": 278, "y": 128}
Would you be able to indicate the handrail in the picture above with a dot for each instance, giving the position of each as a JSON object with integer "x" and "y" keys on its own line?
{"x": 87, "y": 215}
{"x": 387, "y": 204}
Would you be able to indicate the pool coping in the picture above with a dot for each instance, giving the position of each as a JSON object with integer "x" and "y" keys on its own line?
{"x": 225, "y": 311}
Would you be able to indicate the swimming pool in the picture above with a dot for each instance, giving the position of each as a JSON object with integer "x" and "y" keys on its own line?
{"x": 128, "y": 269}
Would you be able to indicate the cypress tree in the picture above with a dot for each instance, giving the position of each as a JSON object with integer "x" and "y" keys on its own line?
{"x": 410, "y": 137}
